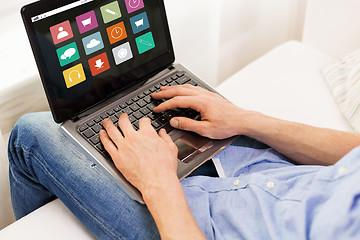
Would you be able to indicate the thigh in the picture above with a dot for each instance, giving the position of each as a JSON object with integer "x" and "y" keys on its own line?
{"x": 54, "y": 162}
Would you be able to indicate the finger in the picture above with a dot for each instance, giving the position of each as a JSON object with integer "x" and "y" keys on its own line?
{"x": 172, "y": 91}
{"x": 125, "y": 125}
{"x": 163, "y": 134}
{"x": 188, "y": 124}
{"x": 193, "y": 102}
{"x": 112, "y": 131}
{"x": 108, "y": 144}
{"x": 145, "y": 124}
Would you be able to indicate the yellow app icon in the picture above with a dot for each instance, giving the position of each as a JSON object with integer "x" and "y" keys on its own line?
{"x": 74, "y": 75}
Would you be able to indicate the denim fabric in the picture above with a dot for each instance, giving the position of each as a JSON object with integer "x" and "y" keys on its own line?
{"x": 263, "y": 196}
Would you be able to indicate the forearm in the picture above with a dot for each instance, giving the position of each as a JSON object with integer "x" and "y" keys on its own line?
{"x": 171, "y": 212}
{"x": 302, "y": 143}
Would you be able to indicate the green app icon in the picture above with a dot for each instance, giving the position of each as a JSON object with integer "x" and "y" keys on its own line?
{"x": 145, "y": 42}
{"x": 110, "y": 12}
{"x": 68, "y": 54}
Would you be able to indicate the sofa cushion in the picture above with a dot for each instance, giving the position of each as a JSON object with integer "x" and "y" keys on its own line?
{"x": 287, "y": 83}
{"x": 343, "y": 79}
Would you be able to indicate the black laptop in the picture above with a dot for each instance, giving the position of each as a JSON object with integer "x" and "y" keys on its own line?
{"x": 100, "y": 58}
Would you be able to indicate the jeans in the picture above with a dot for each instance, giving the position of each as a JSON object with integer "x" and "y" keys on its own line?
{"x": 44, "y": 165}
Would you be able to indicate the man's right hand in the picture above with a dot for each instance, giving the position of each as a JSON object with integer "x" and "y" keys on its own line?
{"x": 220, "y": 118}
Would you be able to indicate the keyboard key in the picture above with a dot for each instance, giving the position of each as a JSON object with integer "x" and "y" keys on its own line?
{"x": 88, "y": 133}
{"x": 145, "y": 111}
{"x": 156, "y": 124}
{"x": 95, "y": 139}
{"x": 104, "y": 115}
{"x": 153, "y": 89}
{"x": 134, "y": 107}
{"x": 147, "y": 92}
{"x": 183, "y": 80}
{"x": 83, "y": 127}
{"x": 148, "y": 99}
{"x": 127, "y": 110}
{"x": 141, "y": 95}
{"x": 138, "y": 115}
{"x": 136, "y": 125}
{"x": 168, "y": 127}
{"x": 100, "y": 147}
{"x": 132, "y": 118}
{"x": 129, "y": 102}
{"x": 123, "y": 105}
{"x": 169, "y": 115}
{"x": 110, "y": 112}
{"x": 180, "y": 74}
{"x": 90, "y": 123}
{"x": 135, "y": 99}
{"x": 162, "y": 120}
{"x": 141, "y": 103}
{"x": 163, "y": 83}
{"x": 117, "y": 109}
{"x": 96, "y": 128}
{"x": 174, "y": 77}
{"x": 151, "y": 106}
{"x": 97, "y": 119}
{"x": 169, "y": 80}
{"x": 114, "y": 119}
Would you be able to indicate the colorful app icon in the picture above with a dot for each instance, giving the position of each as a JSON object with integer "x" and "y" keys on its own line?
{"x": 134, "y": 5}
{"x": 74, "y": 75}
{"x": 86, "y": 21}
{"x": 145, "y": 42}
{"x": 93, "y": 43}
{"x": 139, "y": 23}
{"x": 122, "y": 53}
{"x": 116, "y": 32}
{"x": 61, "y": 32}
{"x": 110, "y": 12}
{"x": 68, "y": 54}
{"x": 99, "y": 64}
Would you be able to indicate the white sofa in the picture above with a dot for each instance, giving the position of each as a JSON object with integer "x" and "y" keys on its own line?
{"x": 285, "y": 83}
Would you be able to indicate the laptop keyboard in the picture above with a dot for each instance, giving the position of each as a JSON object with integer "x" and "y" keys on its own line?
{"x": 139, "y": 106}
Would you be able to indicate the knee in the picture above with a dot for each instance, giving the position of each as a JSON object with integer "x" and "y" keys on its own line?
{"x": 30, "y": 126}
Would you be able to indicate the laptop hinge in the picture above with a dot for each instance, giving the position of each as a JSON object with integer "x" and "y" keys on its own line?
{"x": 74, "y": 119}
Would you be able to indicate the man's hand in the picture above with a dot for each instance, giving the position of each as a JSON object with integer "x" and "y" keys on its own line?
{"x": 147, "y": 159}
{"x": 220, "y": 119}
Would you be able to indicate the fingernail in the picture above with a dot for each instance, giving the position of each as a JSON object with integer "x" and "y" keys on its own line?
{"x": 174, "y": 123}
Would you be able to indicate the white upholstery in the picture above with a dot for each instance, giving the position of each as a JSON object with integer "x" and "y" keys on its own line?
{"x": 287, "y": 83}
{"x": 52, "y": 221}
{"x": 332, "y": 26}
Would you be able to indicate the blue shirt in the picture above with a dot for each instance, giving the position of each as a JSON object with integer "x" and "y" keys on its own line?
{"x": 265, "y": 197}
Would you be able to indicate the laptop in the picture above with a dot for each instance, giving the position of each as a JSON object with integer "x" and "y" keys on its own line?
{"x": 100, "y": 58}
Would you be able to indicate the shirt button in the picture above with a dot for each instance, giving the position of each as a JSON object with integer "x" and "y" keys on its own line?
{"x": 342, "y": 170}
{"x": 270, "y": 184}
{"x": 237, "y": 181}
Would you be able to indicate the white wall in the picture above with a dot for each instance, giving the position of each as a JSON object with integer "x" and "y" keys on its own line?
{"x": 217, "y": 38}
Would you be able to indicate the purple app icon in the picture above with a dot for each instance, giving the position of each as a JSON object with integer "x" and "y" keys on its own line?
{"x": 134, "y": 5}
{"x": 86, "y": 21}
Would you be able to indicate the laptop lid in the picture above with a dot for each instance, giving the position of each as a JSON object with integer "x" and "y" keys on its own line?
{"x": 89, "y": 50}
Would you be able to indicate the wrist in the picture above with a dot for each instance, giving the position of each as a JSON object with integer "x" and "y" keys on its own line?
{"x": 249, "y": 122}
{"x": 156, "y": 192}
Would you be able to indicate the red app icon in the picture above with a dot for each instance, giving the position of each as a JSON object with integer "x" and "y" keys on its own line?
{"x": 61, "y": 32}
{"x": 99, "y": 64}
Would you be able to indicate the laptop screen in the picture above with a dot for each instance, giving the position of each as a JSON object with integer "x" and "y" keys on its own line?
{"x": 88, "y": 50}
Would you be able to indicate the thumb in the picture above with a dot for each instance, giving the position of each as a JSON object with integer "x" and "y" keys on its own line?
{"x": 187, "y": 124}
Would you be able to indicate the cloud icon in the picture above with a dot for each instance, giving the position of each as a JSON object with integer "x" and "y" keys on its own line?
{"x": 93, "y": 43}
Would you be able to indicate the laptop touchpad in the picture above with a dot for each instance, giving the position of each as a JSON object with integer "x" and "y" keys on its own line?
{"x": 190, "y": 145}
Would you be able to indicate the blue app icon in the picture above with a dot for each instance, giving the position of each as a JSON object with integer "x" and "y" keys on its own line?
{"x": 139, "y": 22}
{"x": 93, "y": 43}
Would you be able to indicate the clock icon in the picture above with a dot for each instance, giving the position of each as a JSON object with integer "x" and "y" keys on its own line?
{"x": 134, "y": 3}
{"x": 117, "y": 32}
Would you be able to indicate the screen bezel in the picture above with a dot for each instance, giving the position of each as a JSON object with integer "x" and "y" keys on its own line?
{"x": 141, "y": 73}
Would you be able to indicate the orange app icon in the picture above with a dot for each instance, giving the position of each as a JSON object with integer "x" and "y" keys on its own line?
{"x": 99, "y": 64}
{"x": 116, "y": 32}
